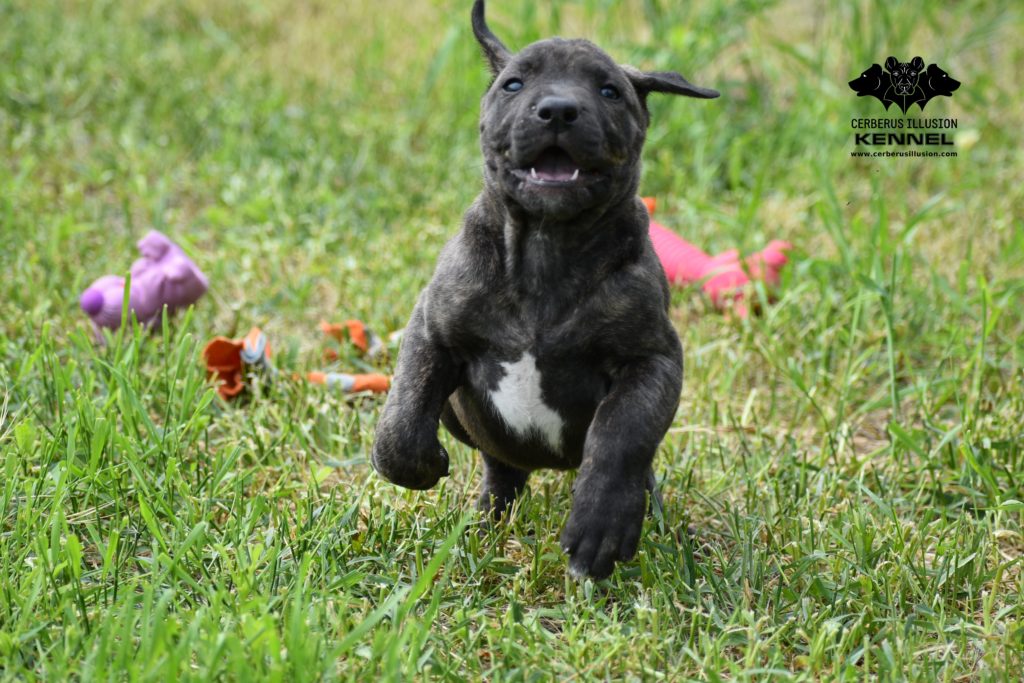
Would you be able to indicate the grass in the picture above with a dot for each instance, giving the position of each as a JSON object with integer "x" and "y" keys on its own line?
{"x": 851, "y": 461}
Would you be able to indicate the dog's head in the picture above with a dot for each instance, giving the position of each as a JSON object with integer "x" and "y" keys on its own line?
{"x": 874, "y": 81}
{"x": 939, "y": 82}
{"x": 904, "y": 74}
{"x": 562, "y": 125}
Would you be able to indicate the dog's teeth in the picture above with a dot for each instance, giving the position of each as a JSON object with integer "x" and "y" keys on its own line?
{"x": 576, "y": 174}
{"x": 533, "y": 172}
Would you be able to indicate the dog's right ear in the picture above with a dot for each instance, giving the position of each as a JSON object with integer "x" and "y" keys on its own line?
{"x": 891, "y": 64}
{"x": 495, "y": 51}
{"x": 646, "y": 82}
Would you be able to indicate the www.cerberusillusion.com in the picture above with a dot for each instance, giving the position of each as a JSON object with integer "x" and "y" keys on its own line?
{"x": 906, "y": 153}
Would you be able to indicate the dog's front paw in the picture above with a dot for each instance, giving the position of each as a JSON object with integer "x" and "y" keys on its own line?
{"x": 604, "y": 526}
{"x": 415, "y": 460}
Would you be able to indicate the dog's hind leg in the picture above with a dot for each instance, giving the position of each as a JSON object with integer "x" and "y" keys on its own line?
{"x": 502, "y": 484}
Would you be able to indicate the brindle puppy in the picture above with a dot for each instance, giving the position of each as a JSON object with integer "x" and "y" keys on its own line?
{"x": 543, "y": 338}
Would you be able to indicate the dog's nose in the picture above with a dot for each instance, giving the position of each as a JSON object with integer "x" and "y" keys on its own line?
{"x": 558, "y": 110}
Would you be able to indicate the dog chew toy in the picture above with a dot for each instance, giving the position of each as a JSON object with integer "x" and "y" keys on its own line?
{"x": 227, "y": 360}
{"x": 164, "y": 276}
{"x": 230, "y": 361}
{"x": 356, "y": 333}
{"x": 351, "y": 384}
{"x": 723, "y": 276}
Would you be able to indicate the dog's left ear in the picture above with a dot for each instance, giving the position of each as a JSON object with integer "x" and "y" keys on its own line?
{"x": 646, "y": 82}
{"x": 495, "y": 51}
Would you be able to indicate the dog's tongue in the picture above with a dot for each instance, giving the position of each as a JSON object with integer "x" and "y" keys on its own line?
{"x": 555, "y": 164}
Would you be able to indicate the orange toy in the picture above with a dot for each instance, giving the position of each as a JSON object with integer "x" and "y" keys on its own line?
{"x": 351, "y": 384}
{"x": 224, "y": 361}
{"x": 361, "y": 336}
{"x": 228, "y": 360}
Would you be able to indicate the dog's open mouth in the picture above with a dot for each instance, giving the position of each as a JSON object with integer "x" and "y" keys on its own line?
{"x": 553, "y": 166}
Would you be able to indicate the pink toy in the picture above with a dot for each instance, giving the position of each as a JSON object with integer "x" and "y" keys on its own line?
{"x": 724, "y": 275}
{"x": 164, "y": 276}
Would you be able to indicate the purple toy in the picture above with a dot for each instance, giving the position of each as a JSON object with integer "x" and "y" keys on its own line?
{"x": 164, "y": 276}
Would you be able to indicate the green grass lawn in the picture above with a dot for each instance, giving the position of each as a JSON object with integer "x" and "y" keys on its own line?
{"x": 851, "y": 462}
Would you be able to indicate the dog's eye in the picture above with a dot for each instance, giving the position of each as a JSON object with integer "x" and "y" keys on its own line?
{"x": 611, "y": 92}
{"x": 512, "y": 85}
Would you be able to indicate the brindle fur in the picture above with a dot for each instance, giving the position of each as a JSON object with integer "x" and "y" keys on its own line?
{"x": 567, "y": 274}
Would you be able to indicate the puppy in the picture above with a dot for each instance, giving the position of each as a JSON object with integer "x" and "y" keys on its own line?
{"x": 543, "y": 339}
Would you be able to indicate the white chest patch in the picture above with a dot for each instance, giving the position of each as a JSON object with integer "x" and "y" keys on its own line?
{"x": 518, "y": 400}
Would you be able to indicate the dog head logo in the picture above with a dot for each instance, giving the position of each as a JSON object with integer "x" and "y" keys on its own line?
{"x": 935, "y": 82}
{"x": 904, "y": 83}
{"x": 904, "y": 75}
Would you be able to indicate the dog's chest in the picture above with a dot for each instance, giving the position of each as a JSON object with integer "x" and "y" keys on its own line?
{"x": 519, "y": 399}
